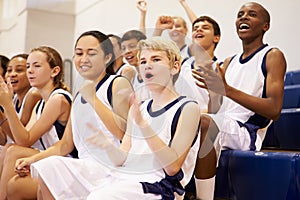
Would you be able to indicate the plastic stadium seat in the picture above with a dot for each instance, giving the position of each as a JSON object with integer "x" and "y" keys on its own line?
{"x": 292, "y": 78}
{"x": 296, "y": 77}
{"x": 291, "y": 98}
{"x": 297, "y": 174}
{"x": 262, "y": 175}
{"x": 288, "y": 78}
{"x": 283, "y": 134}
{"x": 270, "y": 141}
{"x": 286, "y": 129}
{"x": 222, "y": 190}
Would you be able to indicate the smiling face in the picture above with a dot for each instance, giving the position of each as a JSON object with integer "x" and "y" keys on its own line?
{"x": 203, "y": 35}
{"x": 252, "y": 21}
{"x": 16, "y": 71}
{"x": 129, "y": 51}
{"x": 179, "y": 30}
{"x": 89, "y": 58}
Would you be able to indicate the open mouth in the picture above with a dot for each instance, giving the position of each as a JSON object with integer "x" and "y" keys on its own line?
{"x": 244, "y": 26}
{"x": 199, "y": 36}
{"x": 129, "y": 57}
{"x": 174, "y": 33}
{"x": 148, "y": 76}
{"x": 13, "y": 81}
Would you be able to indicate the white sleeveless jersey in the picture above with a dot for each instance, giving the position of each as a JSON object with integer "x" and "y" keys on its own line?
{"x": 16, "y": 102}
{"x": 141, "y": 160}
{"x": 83, "y": 114}
{"x": 51, "y": 136}
{"x": 18, "y": 109}
{"x": 247, "y": 76}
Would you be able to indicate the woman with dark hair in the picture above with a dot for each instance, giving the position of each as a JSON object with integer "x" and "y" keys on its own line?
{"x": 103, "y": 101}
{"x": 24, "y": 99}
{"x": 48, "y": 118}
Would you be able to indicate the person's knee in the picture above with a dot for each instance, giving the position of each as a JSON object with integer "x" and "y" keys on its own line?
{"x": 13, "y": 188}
{"x": 205, "y": 121}
{"x": 11, "y": 153}
{"x": 12, "y": 150}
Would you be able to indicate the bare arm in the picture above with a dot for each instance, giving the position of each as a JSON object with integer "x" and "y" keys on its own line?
{"x": 129, "y": 72}
{"x": 61, "y": 148}
{"x": 56, "y": 108}
{"x": 190, "y": 13}
{"x": 142, "y": 6}
{"x": 269, "y": 107}
{"x": 114, "y": 120}
{"x": 3, "y": 126}
{"x": 172, "y": 157}
{"x": 32, "y": 98}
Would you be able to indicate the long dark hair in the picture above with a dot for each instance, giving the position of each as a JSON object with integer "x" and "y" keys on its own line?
{"x": 106, "y": 46}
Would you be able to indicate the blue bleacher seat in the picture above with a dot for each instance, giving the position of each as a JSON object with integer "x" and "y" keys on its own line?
{"x": 297, "y": 174}
{"x": 292, "y": 77}
{"x": 249, "y": 175}
{"x": 296, "y": 77}
{"x": 222, "y": 179}
{"x": 288, "y": 78}
{"x": 283, "y": 134}
{"x": 286, "y": 129}
{"x": 291, "y": 98}
{"x": 261, "y": 176}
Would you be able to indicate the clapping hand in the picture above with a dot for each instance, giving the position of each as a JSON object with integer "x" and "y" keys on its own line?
{"x": 207, "y": 78}
{"x": 6, "y": 92}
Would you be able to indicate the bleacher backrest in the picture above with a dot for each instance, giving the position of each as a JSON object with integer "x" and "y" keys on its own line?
{"x": 296, "y": 77}
{"x": 288, "y": 78}
{"x": 249, "y": 175}
{"x": 292, "y": 77}
{"x": 291, "y": 98}
{"x": 286, "y": 129}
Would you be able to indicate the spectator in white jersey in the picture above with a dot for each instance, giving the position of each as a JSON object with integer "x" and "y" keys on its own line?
{"x": 246, "y": 94}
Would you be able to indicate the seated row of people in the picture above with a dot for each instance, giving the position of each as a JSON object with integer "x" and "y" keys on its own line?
{"x": 139, "y": 136}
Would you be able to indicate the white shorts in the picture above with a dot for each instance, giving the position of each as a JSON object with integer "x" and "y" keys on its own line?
{"x": 121, "y": 189}
{"x": 231, "y": 135}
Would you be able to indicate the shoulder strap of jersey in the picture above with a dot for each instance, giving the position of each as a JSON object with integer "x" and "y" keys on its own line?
{"x": 109, "y": 90}
{"x": 175, "y": 121}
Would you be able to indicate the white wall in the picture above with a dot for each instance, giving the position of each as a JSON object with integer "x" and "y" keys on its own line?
{"x": 118, "y": 16}
{"x": 52, "y": 29}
